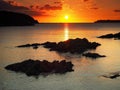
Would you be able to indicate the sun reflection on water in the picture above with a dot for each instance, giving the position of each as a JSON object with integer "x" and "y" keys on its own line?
{"x": 66, "y": 32}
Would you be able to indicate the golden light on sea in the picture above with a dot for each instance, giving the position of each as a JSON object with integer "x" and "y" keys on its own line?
{"x": 66, "y": 32}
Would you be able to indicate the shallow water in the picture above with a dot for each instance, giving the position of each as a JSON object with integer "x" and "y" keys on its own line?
{"x": 87, "y": 74}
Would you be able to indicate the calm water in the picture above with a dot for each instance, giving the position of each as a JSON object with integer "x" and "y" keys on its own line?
{"x": 87, "y": 74}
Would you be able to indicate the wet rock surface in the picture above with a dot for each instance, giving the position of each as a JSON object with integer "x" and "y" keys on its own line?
{"x": 93, "y": 55}
{"x": 115, "y": 36}
{"x": 72, "y": 45}
{"x": 35, "y": 67}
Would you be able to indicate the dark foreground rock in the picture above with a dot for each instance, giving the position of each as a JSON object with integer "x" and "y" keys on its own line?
{"x": 115, "y": 36}
{"x": 8, "y": 18}
{"x": 35, "y": 68}
{"x": 112, "y": 75}
{"x": 93, "y": 55}
{"x": 72, "y": 45}
{"x": 34, "y": 45}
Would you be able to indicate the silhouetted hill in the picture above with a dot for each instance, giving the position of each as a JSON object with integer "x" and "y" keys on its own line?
{"x": 8, "y": 18}
{"x": 107, "y": 21}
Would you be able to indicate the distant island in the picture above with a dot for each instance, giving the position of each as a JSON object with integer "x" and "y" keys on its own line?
{"x": 8, "y": 18}
{"x": 107, "y": 21}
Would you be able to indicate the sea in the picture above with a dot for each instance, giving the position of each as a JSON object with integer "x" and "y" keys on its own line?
{"x": 87, "y": 74}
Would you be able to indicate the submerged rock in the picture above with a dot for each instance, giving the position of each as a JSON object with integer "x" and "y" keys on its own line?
{"x": 115, "y": 36}
{"x": 34, "y": 68}
{"x": 34, "y": 45}
{"x": 93, "y": 55}
{"x": 112, "y": 75}
{"x": 72, "y": 45}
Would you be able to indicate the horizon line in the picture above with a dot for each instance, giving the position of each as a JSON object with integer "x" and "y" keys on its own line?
{"x": 97, "y": 21}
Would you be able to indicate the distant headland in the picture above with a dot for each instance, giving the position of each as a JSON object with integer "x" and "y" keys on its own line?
{"x": 8, "y": 18}
{"x": 107, "y": 21}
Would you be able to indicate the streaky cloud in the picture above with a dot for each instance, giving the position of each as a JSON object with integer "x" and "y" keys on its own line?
{"x": 7, "y": 6}
{"x": 117, "y": 10}
{"x": 50, "y": 7}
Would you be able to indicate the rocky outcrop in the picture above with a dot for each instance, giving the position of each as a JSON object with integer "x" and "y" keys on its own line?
{"x": 8, "y": 18}
{"x": 34, "y": 68}
{"x": 112, "y": 75}
{"x": 93, "y": 55}
{"x": 72, "y": 45}
{"x": 115, "y": 36}
{"x": 34, "y": 45}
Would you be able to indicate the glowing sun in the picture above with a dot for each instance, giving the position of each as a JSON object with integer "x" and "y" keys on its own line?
{"x": 66, "y": 17}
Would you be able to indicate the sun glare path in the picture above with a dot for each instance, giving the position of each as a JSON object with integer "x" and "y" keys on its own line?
{"x": 66, "y": 33}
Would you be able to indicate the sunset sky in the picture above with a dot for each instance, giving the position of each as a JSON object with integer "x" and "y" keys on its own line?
{"x": 65, "y": 10}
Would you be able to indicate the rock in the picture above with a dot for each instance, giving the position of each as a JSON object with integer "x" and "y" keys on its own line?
{"x": 93, "y": 55}
{"x": 112, "y": 75}
{"x": 34, "y": 68}
{"x": 26, "y": 45}
{"x": 49, "y": 44}
{"x": 72, "y": 45}
{"x": 106, "y": 36}
{"x": 34, "y": 45}
{"x": 115, "y": 36}
{"x": 8, "y": 18}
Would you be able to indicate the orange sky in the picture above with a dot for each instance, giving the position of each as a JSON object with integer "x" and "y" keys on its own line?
{"x": 56, "y": 10}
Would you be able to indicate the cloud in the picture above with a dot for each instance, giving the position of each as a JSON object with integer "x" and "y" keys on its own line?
{"x": 95, "y": 8}
{"x": 117, "y": 10}
{"x": 9, "y": 6}
{"x": 57, "y": 2}
{"x": 85, "y": 0}
{"x": 34, "y": 7}
{"x": 49, "y": 7}
{"x": 12, "y": 2}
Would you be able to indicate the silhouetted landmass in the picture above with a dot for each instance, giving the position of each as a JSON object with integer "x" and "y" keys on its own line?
{"x": 72, "y": 45}
{"x": 34, "y": 68}
{"x": 107, "y": 21}
{"x": 115, "y": 36}
{"x": 112, "y": 75}
{"x": 93, "y": 55}
{"x": 34, "y": 45}
{"x": 15, "y": 19}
